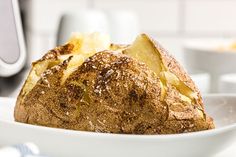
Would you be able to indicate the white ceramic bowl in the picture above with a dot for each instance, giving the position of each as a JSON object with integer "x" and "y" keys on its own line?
{"x": 123, "y": 26}
{"x": 85, "y": 21}
{"x": 228, "y": 83}
{"x": 202, "y": 80}
{"x": 204, "y": 55}
{"x": 63, "y": 143}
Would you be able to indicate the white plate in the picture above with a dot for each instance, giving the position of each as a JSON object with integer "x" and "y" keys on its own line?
{"x": 63, "y": 143}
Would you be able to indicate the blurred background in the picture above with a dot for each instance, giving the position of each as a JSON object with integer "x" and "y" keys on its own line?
{"x": 199, "y": 33}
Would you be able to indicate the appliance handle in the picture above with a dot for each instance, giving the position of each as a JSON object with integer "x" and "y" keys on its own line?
{"x": 7, "y": 69}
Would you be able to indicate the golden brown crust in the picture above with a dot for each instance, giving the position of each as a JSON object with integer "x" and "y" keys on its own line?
{"x": 109, "y": 92}
{"x": 173, "y": 65}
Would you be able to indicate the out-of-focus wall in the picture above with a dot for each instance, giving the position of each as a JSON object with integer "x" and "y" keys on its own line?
{"x": 170, "y": 21}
